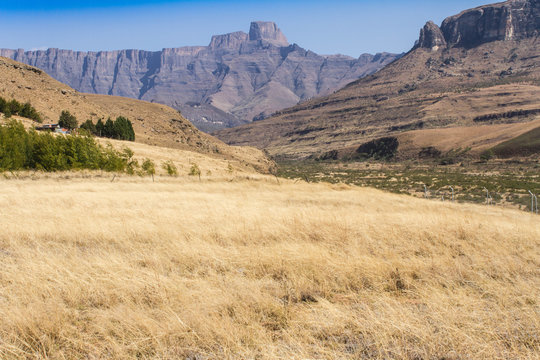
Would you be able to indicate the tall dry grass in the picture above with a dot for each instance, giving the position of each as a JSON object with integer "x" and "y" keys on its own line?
{"x": 256, "y": 270}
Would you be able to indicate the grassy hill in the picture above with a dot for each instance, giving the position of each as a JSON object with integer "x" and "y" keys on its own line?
{"x": 154, "y": 124}
{"x": 256, "y": 269}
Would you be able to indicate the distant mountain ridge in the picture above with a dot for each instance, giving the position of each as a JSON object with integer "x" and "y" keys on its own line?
{"x": 470, "y": 83}
{"x": 239, "y": 77}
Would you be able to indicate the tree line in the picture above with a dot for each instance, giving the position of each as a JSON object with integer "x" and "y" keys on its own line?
{"x": 120, "y": 129}
{"x": 13, "y": 107}
{"x": 22, "y": 149}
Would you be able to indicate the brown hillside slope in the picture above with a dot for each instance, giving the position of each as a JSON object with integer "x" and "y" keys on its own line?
{"x": 435, "y": 87}
{"x": 154, "y": 124}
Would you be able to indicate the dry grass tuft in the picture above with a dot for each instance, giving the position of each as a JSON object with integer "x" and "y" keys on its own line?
{"x": 252, "y": 269}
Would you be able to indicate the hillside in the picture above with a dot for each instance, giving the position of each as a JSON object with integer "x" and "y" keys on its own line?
{"x": 154, "y": 124}
{"x": 455, "y": 76}
{"x": 239, "y": 77}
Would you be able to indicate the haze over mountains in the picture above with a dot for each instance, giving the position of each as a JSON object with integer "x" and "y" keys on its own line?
{"x": 238, "y": 78}
{"x": 471, "y": 83}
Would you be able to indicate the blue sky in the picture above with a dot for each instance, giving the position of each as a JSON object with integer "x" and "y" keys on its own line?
{"x": 326, "y": 27}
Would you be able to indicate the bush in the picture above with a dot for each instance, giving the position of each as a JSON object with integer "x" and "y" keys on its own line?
{"x": 67, "y": 120}
{"x": 170, "y": 168}
{"x": 24, "y": 150}
{"x": 149, "y": 167}
{"x": 195, "y": 171}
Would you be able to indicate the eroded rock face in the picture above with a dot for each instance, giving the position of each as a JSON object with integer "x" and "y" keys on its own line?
{"x": 264, "y": 30}
{"x": 431, "y": 37}
{"x": 510, "y": 20}
{"x": 238, "y": 78}
{"x": 229, "y": 41}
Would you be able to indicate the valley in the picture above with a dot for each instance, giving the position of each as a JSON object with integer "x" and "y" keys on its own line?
{"x": 268, "y": 202}
{"x": 508, "y": 182}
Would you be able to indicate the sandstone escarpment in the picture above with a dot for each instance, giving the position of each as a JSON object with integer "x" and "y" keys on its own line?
{"x": 510, "y": 20}
{"x": 431, "y": 37}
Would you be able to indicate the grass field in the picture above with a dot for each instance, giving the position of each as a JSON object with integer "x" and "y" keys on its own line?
{"x": 253, "y": 269}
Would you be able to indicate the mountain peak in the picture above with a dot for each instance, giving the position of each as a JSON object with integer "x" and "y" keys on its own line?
{"x": 431, "y": 37}
{"x": 267, "y": 30}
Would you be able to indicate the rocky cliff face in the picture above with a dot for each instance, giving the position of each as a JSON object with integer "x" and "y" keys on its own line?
{"x": 510, "y": 20}
{"x": 238, "y": 78}
{"x": 431, "y": 37}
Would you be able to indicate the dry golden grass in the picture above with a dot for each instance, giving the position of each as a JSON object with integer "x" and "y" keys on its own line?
{"x": 183, "y": 269}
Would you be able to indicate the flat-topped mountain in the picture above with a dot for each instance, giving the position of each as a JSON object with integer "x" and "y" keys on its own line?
{"x": 239, "y": 77}
{"x": 477, "y": 72}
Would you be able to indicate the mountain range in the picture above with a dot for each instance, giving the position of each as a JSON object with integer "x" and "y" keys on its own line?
{"x": 238, "y": 78}
{"x": 471, "y": 83}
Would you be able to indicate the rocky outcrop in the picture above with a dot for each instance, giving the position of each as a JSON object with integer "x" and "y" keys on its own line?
{"x": 229, "y": 41}
{"x": 510, "y": 20}
{"x": 264, "y": 30}
{"x": 239, "y": 77}
{"x": 431, "y": 37}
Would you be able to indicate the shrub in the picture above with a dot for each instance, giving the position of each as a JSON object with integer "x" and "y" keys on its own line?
{"x": 170, "y": 168}
{"x": 149, "y": 167}
{"x": 195, "y": 171}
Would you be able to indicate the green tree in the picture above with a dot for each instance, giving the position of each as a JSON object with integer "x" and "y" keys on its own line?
{"x": 28, "y": 111}
{"x": 3, "y": 104}
{"x": 89, "y": 126}
{"x": 100, "y": 128}
{"x": 149, "y": 167}
{"x": 108, "y": 129}
{"x": 170, "y": 168}
{"x": 21, "y": 149}
{"x": 14, "y": 107}
{"x": 123, "y": 129}
{"x": 67, "y": 120}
